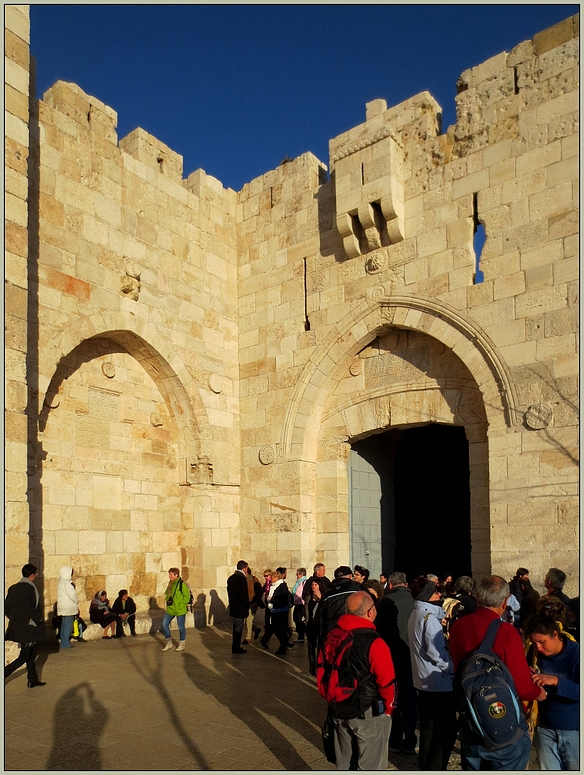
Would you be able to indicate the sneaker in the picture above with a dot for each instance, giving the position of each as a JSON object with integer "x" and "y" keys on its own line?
{"x": 181, "y": 646}
{"x": 410, "y": 750}
{"x": 168, "y": 646}
{"x": 393, "y": 749}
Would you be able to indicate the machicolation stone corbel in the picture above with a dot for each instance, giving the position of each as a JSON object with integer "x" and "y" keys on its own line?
{"x": 369, "y": 185}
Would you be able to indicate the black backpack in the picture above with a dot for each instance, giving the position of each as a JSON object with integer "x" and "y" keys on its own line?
{"x": 487, "y": 696}
{"x": 343, "y": 674}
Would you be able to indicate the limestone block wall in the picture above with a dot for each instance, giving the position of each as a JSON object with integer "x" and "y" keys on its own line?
{"x": 137, "y": 377}
{"x": 509, "y": 165}
{"x": 16, "y": 149}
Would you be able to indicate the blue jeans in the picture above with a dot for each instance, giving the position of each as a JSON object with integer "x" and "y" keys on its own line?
{"x": 66, "y": 630}
{"x": 512, "y": 757}
{"x": 557, "y": 749}
{"x": 182, "y": 631}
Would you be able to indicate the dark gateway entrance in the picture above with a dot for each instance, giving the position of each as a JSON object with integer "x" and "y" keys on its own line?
{"x": 409, "y": 500}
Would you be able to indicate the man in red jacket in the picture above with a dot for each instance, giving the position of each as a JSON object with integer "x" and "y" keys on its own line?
{"x": 363, "y": 720}
{"x": 466, "y": 636}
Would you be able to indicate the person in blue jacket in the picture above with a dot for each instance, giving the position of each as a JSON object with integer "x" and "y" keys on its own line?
{"x": 557, "y": 734}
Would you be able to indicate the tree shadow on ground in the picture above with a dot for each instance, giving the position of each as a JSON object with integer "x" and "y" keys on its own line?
{"x": 152, "y": 674}
{"x": 282, "y": 696}
{"x": 78, "y": 724}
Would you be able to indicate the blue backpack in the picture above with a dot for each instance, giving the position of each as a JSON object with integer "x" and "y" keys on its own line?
{"x": 487, "y": 696}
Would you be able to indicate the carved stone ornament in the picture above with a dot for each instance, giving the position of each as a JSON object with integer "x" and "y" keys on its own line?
{"x": 377, "y": 292}
{"x": 130, "y": 282}
{"x": 199, "y": 470}
{"x": 108, "y": 369}
{"x": 356, "y": 368}
{"x": 156, "y": 419}
{"x": 215, "y": 383}
{"x": 538, "y": 416}
{"x": 375, "y": 262}
{"x": 267, "y": 455}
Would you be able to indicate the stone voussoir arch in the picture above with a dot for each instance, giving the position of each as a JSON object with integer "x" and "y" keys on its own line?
{"x": 373, "y": 318}
{"x": 145, "y": 343}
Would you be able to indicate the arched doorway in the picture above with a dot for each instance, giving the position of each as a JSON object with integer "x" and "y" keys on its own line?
{"x": 409, "y": 501}
{"x": 106, "y": 500}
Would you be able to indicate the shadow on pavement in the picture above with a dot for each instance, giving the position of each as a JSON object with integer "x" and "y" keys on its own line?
{"x": 152, "y": 674}
{"x": 78, "y": 725}
{"x": 237, "y": 689}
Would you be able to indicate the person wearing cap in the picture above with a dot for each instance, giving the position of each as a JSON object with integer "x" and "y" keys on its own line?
{"x": 433, "y": 674}
{"x": 333, "y": 603}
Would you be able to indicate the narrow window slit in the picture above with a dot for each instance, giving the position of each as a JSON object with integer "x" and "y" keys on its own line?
{"x": 306, "y": 320}
{"x": 478, "y": 240}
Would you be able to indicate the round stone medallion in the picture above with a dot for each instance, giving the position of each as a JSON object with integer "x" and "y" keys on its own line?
{"x": 267, "y": 455}
{"x": 215, "y": 383}
{"x": 156, "y": 419}
{"x": 375, "y": 262}
{"x": 356, "y": 368}
{"x": 109, "y": 369}
{"x": 538, "y": 416}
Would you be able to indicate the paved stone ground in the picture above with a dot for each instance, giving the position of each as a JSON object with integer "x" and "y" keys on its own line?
{"x": 125, "y": 705}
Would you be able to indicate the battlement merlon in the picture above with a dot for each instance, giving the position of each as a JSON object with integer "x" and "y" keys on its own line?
{"x": 87, "y": 111}
{"x": 150, "y": 151}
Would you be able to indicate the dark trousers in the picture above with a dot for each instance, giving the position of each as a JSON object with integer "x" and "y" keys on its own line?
{"x": 405, "y": 715}
{"x": 280, "y": 629}
{"x": 27, "y": 654}
{"x": 268, "y": 631}
{"x": 120, "y": 627}
{"x": 299, "y": 617}
{"x": 438, "y": 729}
{"x": 312, "y": 640}
{"x": 238, "y": 623}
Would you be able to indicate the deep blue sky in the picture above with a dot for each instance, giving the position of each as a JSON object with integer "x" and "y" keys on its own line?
{"x": 236, "y": 88}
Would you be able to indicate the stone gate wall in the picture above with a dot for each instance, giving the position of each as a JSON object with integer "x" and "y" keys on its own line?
{"x": 199, "y": 360}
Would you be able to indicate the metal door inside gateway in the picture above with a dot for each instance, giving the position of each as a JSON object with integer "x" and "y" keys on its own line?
{"x": 408, "y": 489}
{"x": 370, "y": 545}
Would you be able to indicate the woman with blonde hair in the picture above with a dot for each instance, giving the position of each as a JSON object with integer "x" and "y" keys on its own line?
{"x": 279, "y": 603}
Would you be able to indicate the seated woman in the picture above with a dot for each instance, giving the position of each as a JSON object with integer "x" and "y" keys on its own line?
{"x": 100, "y": 613}
{"x": 557, "y": 669}
{"x": 125, "y": 608}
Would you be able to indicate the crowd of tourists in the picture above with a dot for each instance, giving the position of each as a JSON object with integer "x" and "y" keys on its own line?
{"x": 404, "y": 666}
{"x": 490, "y": 662}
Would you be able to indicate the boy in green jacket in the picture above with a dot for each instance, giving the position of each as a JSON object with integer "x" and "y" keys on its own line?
{"x": 177, "y": 597}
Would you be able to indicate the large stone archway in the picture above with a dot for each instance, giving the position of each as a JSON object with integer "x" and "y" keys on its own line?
{"x": 327, "y": 413}
{"x": 117, "y": 435}
{"x": 371, "y": 319}
{"x": 145, "y": 343}
{"x": 403, "y": 379}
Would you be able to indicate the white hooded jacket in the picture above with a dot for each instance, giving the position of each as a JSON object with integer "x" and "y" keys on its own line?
{"x": 67, "y": 601}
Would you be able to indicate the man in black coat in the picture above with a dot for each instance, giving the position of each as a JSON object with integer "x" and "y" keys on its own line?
{"x": 238, "y": 604}
{"x": 24, "y": 611}
{"x": 392, "y": 624}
